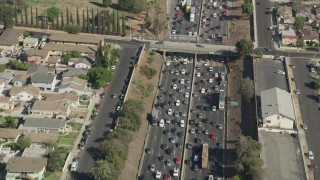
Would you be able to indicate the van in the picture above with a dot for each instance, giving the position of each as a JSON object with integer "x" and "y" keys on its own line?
{"x": 161, "y": 123}
{"x": 74, "y": 166}
{"x": 310, "y": 155}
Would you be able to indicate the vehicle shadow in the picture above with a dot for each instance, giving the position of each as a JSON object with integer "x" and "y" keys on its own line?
{"x": 313, "y": 97}
{"x": 79, "y": 175}
{"x": 94, "y": 153}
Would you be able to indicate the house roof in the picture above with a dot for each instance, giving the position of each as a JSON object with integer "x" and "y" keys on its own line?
{"x": 53, "y": 59}
{"x": 44, "y": 123}
{"x": 74, "y": 79}
{"x": 285, "y": 10}
{"x": 26, "y": 164}
{"x": 74, "y": 72}
{"x": 9, "y": 133}
{"x": 62, "y": 97}
{"x": 42, "y": 78}
{"x": 50, "y": 106}
{"x": 72, "y": 85}
{"x": 39, "y": 69}
{"x": 277, "y": 101}
{"x": 1, "y": 81}
{"x": 29, "y": 89}
{"x": 5, "y": 99}
{"x": 37, "y": 150}
{"x": 317, "y": 11}
{"x": 80, "y": 60}
{"x": 304, "y": 10}
{"x": 289, "y": 32}
{"x": 37, "y": 52}
{"x": 74, "y": 38}
{"x": 30, "y": 40}
{"x": 308, "y": 34}
{"x": 21, "y": 77}
{"x": 6, "y": 75}
{"x": 10, "y": 36}
{"x": 70, "y": 47}
{"x": 42, "y": 137}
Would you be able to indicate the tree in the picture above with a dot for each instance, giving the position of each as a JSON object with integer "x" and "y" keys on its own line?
{"x": 98, "y": 22}
{"x": 71, "y": 19}
{"x": 78, "y": 17}
{"x": 37, "y": 18}
{"x": 69, "y": 55}
{"x": 130, "y": 118}
{"x": 101, "y": 170}
{"x": 17, "y": 65}
{"x": 114, "y": 23}
{"x": 26, "y": 15}
{"x": 298, "y": 24}
{"x": 317, "y": 83}
{"x": 135, "y": 6}
{"x": 300, "y": 42}
{"x": 68, "y": 20}
{"x": 11, "y": 122}
{"x": 247, "y": 7}
{"x": 53, "y": 13}
{"x": 92, "y": 22}
{"x": 83, "y": 22}
{"x": 88, "y": 21}
{"x": 24, "y": 142}
{"x": 15, "y": 15}
{"x": 107, "y": 3}
{"x": 62, "y": 20}
{"x": 21, "y": 19}
{"x": 123, "y": 26}
{"x": 31, "y": 16}
{"x": 118, "y": 24}
{"x": 246, "y": 88}
{"x": 55, "y": 161}
{"x": 99, "y": 76}
{"x": 72, "y": 28}
{"x": 244, "y": 47}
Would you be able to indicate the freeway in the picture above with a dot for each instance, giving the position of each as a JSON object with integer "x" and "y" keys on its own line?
{"x": 156, "y": 137}
{"x": 202, "y": 113}
{"x": 106, "y": 115}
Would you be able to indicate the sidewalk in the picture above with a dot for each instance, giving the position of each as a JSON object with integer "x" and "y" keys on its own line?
{"x": 301, "y": 133}
{"x": 74, "y": 151}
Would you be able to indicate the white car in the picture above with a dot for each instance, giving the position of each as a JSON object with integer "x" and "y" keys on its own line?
{"x": 152, "y": 167}
{"x": 214, "y": 108}
{"x": 310, "y": 155}
{"x": 170, "y": 112}
{"x": 182, "y": 81}
{"x": 210, "y": 69}
{"x": 214, "y": 15}
{"x": 220, "y": 7}
{"x": 210, "y": 80}
{"x": 112, "y": 68}
{"x": 186, "y": 95}
{"x": 203, "y": 90}
{"x": 161, "y": 123}
{"x": 185, "y": 61}
{"x": 158, "y": 175}
{"x": 198, "y": 74}
{"x": 175, "y": 172}
{"x": 216, "y": 75}
{"x": 174, "y": 86}
{"x": 168, "y": 63}
{"x": 183, "y": 71}
{"x": 182, "y": 123}
{"x": 195, "y": 33}
{"x": 173, "y": 31}
{"x": 177, "y": 102}
{"x": 281, "y": 72}
{"x": 205, "y": 64}
{"x": 74, "y": 166}
{"x": 190, "y": 33}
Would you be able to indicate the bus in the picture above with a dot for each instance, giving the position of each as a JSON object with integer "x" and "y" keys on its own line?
{"x": 204, "y": 156}
{"x": 222, "y": 99}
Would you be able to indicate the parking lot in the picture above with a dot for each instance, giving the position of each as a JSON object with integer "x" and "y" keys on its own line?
{"x": 206, "y": 120}
{"x": 267, "y": 76}
{"x": 281, "y": 156}
{"x": 207, "y": 26}
{"x": 166, "y": 138}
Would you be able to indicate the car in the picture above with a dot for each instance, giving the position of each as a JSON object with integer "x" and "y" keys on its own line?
{"x": 159, "y": 97}
{"x": 191, "y": 121}
{"x": 205, "y": 64}
{"x": 171, "y": 103}
{"x": 203, "y": 90}
{"x": 216, "y": 75}
{"x": 178, "y": 160}
{"x": 161, "y": 123}
{"x": 189, "y": 145}
{"x": 304, "y": 126}
{"x": 196, "y": 167}
{"x": 183, "y": 113}
{"x": 310, "y": 155}
{"x": 174, "y": 31}
{"x": 192, "y": 130}
{"x": 219, "y": 126}
{"x": 169, "y": 162}
{"x": 267, "y": 49}
{"x": 195, "y": 94}
{"x": 213, "y": 136}
{"x": 175, "y": 172}
{"x": 98, "y": 106}
{"x": 114, "y": 95}
{"x": 181, "y": 81}
{"x": 102, "y": 95}
{"x": 167, "y": 120}
{"x": 193, "y": 111}
{"x": 199, "y": 124}
{"x": 93, "y": 117}
{"x": 180, "y": 134}
{"x": 200, "y": 115}
{"x": 74, "y": 166}
{"x": 198, "y": 131}
{"x": 177, "y": 102}
{"x": 88, "y": 127}
{"x": 152, "y": 167}
{"x": 176, "y": 114}
{"x": 169, "y": 151}
{"x": 182, "y": 124}
{"x": 158, "y": 174}
{"x": 215, "y": 15}
{"x": 112, "y": 68}
{"x": 281, "y": 72}
{"x": 164, "y": 146}
{"x": 166, "y": 177}
{"x": 297, "y": 91}
{"x": 174, "y": 121}
{"x": 210, "y": 80}
{"x": 179, "y": 145}
{"x": 206, "y": 132}
{"x": 186, "y": 95}
{"x": 169, "y": 111}
{"x": 174, "y": 130}
{"x": 81, "y": 145}
{"x": 161, "y": 158}
{"x": 118, "y": 108}
{"x": 149, "y": 151}
{"x": 185, "y": 101}
{"x": 183, "y": 71}
{"x": 106, "y": 86}
{"x": 174, "y": 86}
{"x": 173, "y": 139}
{"x": 198, "y": 74}
{"x": 165, "y": 132}
{"x": 205, "y": 120}
{"x": 164, "y": 104}
{"x": 214, "y": 108}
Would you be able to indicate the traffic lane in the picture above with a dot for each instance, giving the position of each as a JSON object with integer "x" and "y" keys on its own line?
{"x": 105, "y": 116}
{"x": 308, "y": 106}
{"x": 263, "y": 20}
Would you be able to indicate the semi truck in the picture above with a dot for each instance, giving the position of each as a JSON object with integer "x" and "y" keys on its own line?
{"x": 155, "y": 114}
{"x": 204, "y": 156}
{"x": 188, "y": 5}
{"x": 192, "y": 13}
{"x": 222, "y": 99}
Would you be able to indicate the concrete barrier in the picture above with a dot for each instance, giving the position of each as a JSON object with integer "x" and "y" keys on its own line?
{"x": 66, "y": 164}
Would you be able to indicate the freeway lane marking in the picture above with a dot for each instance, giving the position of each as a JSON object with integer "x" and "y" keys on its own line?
{"x": 155, "y": 137}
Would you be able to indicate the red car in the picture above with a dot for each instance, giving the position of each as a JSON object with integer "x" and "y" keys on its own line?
{"x": 106, "y": 86}
{"x": 164, "y": 146}
{"x": 224, "y": 12}
{"x": 213, "y": 136}
{"x": 177, "y": 14}
{"x": 166, "y": 177}
{"x": 98, "y": 106}
{"x": 178, "y": 160}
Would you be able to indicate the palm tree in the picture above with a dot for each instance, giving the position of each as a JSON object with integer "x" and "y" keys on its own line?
{"x": 101, "y": 170}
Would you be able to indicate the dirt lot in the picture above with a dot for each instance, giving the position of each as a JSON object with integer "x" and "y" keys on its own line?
{"x": 136, "y": 146}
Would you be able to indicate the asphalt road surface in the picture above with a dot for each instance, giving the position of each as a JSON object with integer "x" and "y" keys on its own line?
{"x": 309, "y": 106}
{"x": 263, "y": 21}
{"x": 202, "y": 104}
{"x": 107, "y": 113}
{"x": 156, "y": 136}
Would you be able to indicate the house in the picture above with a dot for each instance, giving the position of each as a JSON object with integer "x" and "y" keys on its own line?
{"x": 288, "y": 37}
{"x": 79, "y": 63}
{"x": 74, "y": 72}
{"x": 26, "y": 168}
{"x": 7, "y": 77}
{"x": 50, "y": 109}
{"x": 30, "y": 42}
{"x": 303, "y": 11}
{"x": 70, "y": 98}
{"x": 40, "y": 69}
{"x": 74, "y": 84}
{"x": 24, "y": 93}
{"x": 45, "y": 82}
{"x": 1, "y": 86}
{"x": 21, "y": 78}
{"x": 40, "y": 138}
{"x": 6, "y": 103}
{"x": 284, "y": 11}
{"x": 309, "y": 36}
{"x": 9, "y": 135}
{"x": 74, "y": 39}
{"x": 277, "y": 109}
{"x": 53, "y": 61}
{"x": 59, "y": 49}
{"x": 37, "y": 151}
{"x": 43, "y": 125}
{"x": 10, "y": 38}
{"x": 317, "y": 13}
{"x": 37, "y": 56}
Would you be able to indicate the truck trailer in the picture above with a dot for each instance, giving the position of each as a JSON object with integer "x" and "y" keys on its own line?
{"x": 192, "y": 13}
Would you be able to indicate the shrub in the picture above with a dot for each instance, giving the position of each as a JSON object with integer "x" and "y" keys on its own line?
{"x": 148, "y": 72}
